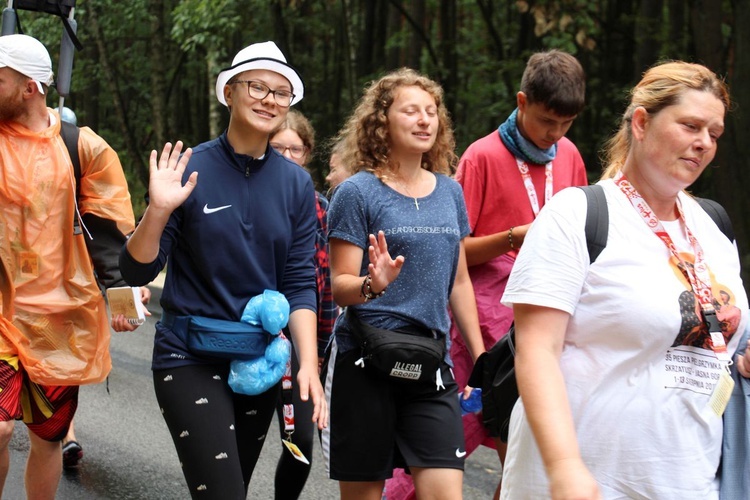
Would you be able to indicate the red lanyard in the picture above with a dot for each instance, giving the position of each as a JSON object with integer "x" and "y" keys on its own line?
{"x": 697, "y": 275}
{"x": 286, "y": 388}
{"x": 530, "y": 191}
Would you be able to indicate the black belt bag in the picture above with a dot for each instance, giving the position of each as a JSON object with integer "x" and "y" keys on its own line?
{"x": 397, "y": 355}
{"x": 218, "y": 337}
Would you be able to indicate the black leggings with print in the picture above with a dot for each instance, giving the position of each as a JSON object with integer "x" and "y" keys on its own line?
{"x": 218, "y": 434}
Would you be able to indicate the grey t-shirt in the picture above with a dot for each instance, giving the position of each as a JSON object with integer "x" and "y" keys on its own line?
{"x": 429, "y": 239}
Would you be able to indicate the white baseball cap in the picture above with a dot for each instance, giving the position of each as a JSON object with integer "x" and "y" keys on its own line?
{"x": 264, "y": 55}
{"x": 29, "y": 57}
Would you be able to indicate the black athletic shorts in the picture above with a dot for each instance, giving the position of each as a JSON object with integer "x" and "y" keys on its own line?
{"x": 376, "y": 425}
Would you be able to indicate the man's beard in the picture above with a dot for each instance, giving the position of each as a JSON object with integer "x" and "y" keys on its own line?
{"x": 11, "y": 109}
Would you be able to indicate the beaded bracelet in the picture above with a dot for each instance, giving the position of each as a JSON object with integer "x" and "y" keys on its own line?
{"x": 510, "y": 238}
{"x": 366, "y": 289}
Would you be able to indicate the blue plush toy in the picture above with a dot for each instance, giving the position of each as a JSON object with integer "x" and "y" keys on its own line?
{"x": 271, "y": 311}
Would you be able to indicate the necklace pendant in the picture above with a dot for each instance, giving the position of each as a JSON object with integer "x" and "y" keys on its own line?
{"x": 416, "y": 203}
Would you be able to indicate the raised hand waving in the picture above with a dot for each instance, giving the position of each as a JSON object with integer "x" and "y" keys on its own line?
{"x": 165, "y": 190}
{"x": 382, "y": 268}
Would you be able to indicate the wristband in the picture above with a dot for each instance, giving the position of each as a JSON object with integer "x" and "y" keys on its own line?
{"x": 366, "y": 289}
{"x": 510, "y": 238}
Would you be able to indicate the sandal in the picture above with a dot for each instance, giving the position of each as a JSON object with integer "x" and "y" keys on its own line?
{"x": 71, "y": 453}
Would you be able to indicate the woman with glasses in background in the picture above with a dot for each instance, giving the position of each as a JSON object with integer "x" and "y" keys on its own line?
{"x": 246, "y": 226}
{"x": 295, "y": 140}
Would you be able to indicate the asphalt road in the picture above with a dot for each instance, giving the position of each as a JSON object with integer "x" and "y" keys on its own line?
{"x": 128, "y": 453}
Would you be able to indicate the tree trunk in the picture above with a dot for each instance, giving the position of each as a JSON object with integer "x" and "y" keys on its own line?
{"x": 395, "y": 24}
{"x": 350, "y": 50}
{"x": 448, "y": 50}
{"x": 647, "y": 35}
{"x": 706, "y": 21}
{"x": 367, "y": 40}
{"x": 215, "y": 108}
{"x": 677, "y": 28}
{"x": 413, "y": 51}
{"x": 733, "y": 157}
{"x": 486, "y": 8}
{"x": 90, "y": 98}
{"x": 158, "y": 78}
{"x": 137, "y": 162}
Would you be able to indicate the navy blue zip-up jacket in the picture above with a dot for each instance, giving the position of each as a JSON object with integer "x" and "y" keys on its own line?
{"x": 249, "y": 225}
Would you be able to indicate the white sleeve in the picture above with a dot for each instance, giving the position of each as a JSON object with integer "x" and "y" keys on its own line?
{"x": 553, "y": 262}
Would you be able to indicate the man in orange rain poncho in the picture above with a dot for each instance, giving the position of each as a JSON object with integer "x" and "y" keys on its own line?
{"x": 54, "y": 333}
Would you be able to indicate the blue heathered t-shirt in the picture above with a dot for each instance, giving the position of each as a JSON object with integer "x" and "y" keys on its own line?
{"x": 429, "y": 239}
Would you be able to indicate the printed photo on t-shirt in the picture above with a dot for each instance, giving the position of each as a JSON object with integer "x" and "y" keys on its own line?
{"x": 691, "y": 363}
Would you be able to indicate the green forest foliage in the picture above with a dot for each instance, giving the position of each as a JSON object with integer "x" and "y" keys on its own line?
{"x": 147, "y": 71}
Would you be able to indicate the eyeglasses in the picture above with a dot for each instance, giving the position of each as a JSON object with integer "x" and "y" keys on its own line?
{"x": 258, "y": 90}
{"x": 295, "y": 150}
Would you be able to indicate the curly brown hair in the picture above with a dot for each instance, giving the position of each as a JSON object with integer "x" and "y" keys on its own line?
{"x": 365, "y": 139}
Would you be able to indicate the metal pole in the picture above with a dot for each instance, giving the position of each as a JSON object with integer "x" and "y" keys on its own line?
{"x": 9, "y": 20}
{"x": 65, "y": 64}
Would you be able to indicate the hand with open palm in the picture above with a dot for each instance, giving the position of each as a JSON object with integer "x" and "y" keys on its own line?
{"x": 165, "y": 189}
{"x": 166, "y": 193}
{"x": 382, "y": 268}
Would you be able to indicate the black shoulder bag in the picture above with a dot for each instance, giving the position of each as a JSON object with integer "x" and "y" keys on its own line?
{"x": 409, "y": 354}
{"x": 494, "y": 370}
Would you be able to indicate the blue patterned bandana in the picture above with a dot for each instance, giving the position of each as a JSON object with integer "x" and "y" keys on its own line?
{"x": 522, "y": 148}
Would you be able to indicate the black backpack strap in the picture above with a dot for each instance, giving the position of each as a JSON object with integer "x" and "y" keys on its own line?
{"x": 718, "y": 215}
{"x": 69, "y": 134}
{"x": 71, "y": 33}
{"x": 597, "y": 220}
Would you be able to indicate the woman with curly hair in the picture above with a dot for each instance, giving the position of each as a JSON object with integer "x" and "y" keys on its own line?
{"x": 397, "y": 225}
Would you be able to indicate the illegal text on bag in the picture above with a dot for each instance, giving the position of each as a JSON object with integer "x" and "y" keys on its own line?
{"x": 397, "y": 355}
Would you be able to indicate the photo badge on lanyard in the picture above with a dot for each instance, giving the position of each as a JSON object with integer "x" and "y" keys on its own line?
{"x": 286, "y": 396}
{"x": 700, "y": 282}
{"x": 723, "y": 389}
{"x": 717, "y": 337}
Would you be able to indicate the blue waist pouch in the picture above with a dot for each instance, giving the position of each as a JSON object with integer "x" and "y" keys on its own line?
{"x": 218, "y": 337}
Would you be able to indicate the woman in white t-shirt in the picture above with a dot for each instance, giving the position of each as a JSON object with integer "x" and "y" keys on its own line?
{"x": 620, "y": 362}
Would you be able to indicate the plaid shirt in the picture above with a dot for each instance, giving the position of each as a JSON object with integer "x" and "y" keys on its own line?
{"x": 328, "y": 311}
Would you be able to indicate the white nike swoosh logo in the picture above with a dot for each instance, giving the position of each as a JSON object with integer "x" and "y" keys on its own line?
{"x": 207, "y": 210}
{"x": 460, "y": 454}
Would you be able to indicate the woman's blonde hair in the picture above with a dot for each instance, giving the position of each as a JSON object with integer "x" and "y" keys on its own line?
{"x": 661, "y": 86}
{"x": 365, "y": 142}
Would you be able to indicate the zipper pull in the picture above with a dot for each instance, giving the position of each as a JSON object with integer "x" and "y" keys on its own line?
{"x": 439, "y": 380}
